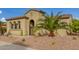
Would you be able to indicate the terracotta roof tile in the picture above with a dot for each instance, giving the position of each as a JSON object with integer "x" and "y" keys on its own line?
{"x": 15, "y": 18}
{"x": 65, "y": 16}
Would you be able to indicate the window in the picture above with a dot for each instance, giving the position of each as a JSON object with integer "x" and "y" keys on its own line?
{"x": 15, "y": 25}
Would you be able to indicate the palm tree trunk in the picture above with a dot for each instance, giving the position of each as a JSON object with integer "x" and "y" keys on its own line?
{"x": 51, "y": 34}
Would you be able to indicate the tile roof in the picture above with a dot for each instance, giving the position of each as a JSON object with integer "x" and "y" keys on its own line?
{"x": 65, "y": 16}
{"x": 16, "y": 18}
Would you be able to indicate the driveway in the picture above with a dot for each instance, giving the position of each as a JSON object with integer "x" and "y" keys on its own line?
{"x": 10, "y": 46}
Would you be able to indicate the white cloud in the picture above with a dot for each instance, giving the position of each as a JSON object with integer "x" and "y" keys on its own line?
{"x": 3, "y": 19}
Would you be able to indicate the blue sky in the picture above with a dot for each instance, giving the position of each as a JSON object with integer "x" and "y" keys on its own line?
{"x": 13, "y": 12}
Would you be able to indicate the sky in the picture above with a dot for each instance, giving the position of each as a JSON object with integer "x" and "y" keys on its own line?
{"x": 6, "y": 13}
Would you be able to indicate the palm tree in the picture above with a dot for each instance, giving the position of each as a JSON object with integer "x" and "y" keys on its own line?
{"x": 50, "y": 23}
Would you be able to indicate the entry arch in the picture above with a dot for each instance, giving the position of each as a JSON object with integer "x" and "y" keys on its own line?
{"x": 31, "y": 26}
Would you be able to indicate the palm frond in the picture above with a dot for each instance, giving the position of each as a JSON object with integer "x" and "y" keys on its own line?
{"x": 50, "y": 23}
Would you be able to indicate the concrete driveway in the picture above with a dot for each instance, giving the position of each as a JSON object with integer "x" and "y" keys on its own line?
{"x": 10, "y": 46}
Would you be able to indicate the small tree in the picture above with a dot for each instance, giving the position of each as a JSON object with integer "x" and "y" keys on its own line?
{"x": 2, "y": 30}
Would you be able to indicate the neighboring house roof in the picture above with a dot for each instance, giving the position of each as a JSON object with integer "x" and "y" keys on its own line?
{"x": 2, "y": 25}
{"x": 65, "y": 16}
{"x": 16, "y": 18}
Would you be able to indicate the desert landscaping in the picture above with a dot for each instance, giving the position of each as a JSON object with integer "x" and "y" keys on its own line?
{"x": 44, "y": 43}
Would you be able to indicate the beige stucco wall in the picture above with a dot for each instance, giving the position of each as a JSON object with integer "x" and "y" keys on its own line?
{"x": 8, "y": 26}
{"x": 68, "y": 21}
{"x": 16, "y": 32}
{"x": 22, "y": 31}
{"x": 61, "y": 32}
{"x": 35, "y": 16}
{"x": 24, "y": 26}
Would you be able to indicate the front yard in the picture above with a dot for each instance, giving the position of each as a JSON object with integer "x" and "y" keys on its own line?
{"x": 44, "y": 42}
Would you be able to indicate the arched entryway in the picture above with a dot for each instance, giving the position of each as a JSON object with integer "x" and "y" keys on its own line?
{"x": 31, "y": 26}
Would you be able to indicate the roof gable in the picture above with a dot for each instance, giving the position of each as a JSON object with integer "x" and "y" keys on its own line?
{"x": 42, "y": 12}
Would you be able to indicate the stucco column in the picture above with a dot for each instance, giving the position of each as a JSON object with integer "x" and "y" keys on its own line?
{"x": 8, "y": 27}
{"x": 27, "y": 27}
